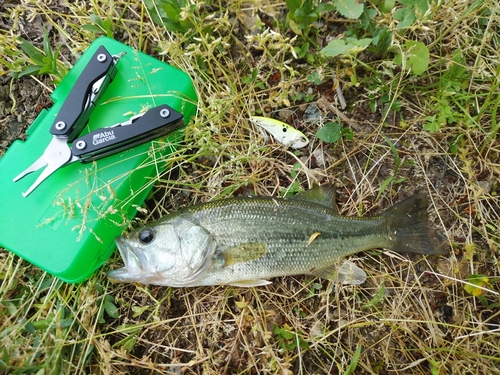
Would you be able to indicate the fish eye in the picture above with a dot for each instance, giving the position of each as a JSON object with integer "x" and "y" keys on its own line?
{"x": 146, "y": 236}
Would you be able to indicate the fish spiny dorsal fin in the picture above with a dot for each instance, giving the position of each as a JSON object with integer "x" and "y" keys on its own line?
{"x": 244, "y": 252}
{"x": 323, "y": 195}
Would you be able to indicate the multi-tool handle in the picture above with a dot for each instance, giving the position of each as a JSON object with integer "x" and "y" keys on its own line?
{"x": 78, "y": 106}
{"x": 102, "y": 142}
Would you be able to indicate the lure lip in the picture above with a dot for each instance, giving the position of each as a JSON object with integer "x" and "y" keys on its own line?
{"x": 278, "y": 130}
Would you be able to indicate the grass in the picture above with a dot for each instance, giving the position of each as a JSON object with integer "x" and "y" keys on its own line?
{"x": 434, "y": 132}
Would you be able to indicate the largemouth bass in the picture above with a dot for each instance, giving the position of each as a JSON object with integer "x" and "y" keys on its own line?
{"x": 245, "y": 241}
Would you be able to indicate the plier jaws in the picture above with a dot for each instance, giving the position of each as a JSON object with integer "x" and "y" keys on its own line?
{"x": 56, "y": 155}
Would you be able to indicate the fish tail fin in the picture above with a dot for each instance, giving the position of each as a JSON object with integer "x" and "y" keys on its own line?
{"x": 410, "y": 230}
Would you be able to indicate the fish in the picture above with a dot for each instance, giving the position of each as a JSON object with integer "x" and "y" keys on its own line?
{"x": 246, "y": 241}
{"x": 283, "y": 133}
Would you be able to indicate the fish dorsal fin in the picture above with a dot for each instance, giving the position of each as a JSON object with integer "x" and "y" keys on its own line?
{"x": 346, "y": 273}
{"x": 251, "y": 282}
{"x": 244, "y": 252}
{"x": 323, "y": 195}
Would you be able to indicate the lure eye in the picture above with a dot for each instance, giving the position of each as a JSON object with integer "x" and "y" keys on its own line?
{"x": 146, "y": 236}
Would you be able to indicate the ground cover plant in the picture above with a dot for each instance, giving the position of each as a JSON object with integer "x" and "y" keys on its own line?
{"x": 420, "y": 81}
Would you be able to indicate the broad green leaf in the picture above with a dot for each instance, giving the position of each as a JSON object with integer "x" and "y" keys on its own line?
{"x": 92, "y": 28}
{"x": 172, "y": 9}
{"x": 416, "y": 57}
{"x": 330, "y": 133}
{"x": 295, "y": 27}
{"x": 405, "y": 16}
{"x": 387, "y": 6}
{"x": 34, "y": 53}
{"x": 477, "y": 280}
{"x": 366, "y": 19}
{"x": 283, "y": 332}
{"x": 96, "y": 19}
{"x": 109, "y": 306}
{"x": 293, "y": 5}
{"x": 419, "y": 7}
{"x": 349, "y": 8}
{"x": 324, "y": 7}
{"x": 335, "y": 47}
{"x": 432, "y": 125}
{"x": 345, "y": 46}
{"x": 361, "y": 43}
{"x": 30, "y": 70}
{"x": 138, "y": 310}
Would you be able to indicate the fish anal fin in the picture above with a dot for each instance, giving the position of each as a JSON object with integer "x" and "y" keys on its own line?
{"x": 251, "y": 282}
{"x": 323, "y": 195}
{"x": 243, "y": 253}
{"x": 346, "y": 273}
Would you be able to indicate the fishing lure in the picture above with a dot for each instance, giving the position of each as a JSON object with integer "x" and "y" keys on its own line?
{"x": 283, "y": 133}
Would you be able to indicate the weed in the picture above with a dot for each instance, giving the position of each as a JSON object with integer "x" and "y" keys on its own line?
{"x": 253, "y": 79}
{"x": 376, "y": 299}
{"x": 295, "y": 187}
{"x": 392, "y": 178}
{"x": 315, "y": 78}
{"x": 332, "y": 132}
{"x": 348, "y": 46}
{"x": 108, "y": 305}
{"x": 41, "y": 62}
{"x": 303, "y": 13}
{"x": 100, "y": 26}
{"x": 371, "y": 32}
{"x": 412, "y": 56}
{"x": 477, "y": 286}
{"x": 354, "y": 361}
{"x": 131, "y": 333}
{"x": 302, "y": 97}
{"x": 169, "y": 14}
{"x": 289, "y": 340}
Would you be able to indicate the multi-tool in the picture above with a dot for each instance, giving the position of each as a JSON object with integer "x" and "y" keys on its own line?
{"x": 67, "y": 147}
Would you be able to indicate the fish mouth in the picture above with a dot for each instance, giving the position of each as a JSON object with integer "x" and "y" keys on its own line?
{"x": 133, "y": 263}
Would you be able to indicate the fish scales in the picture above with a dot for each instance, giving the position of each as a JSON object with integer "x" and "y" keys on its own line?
{"x": 290, "y": 224}
{"x": 246, "y": 241}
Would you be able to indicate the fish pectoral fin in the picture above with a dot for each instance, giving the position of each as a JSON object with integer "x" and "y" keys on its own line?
{"x": 251, "y": 282}
{"x": 243, "y": 253}
{"x": 323, "y": 195}
{"x": 346, "y": 273}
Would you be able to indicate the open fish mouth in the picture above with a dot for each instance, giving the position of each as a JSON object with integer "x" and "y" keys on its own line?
{"x": 134, "y": 264}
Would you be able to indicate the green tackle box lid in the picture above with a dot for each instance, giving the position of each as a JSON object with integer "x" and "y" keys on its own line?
{"x": 68, "y": 224}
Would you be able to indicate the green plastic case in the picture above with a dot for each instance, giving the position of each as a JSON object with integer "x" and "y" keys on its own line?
{"x": 68, "y": 224}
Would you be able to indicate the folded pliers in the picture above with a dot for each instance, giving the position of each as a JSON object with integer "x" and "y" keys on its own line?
{"x": 75, "y": 113}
